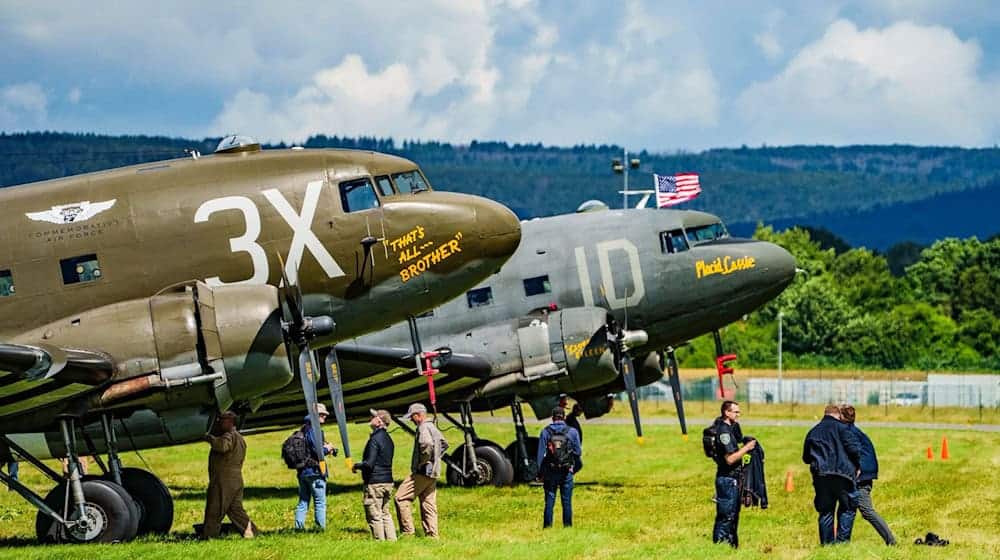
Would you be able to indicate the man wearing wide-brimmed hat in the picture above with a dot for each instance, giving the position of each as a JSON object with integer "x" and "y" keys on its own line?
{"x": 376, "y": 472}
{"x": 425, "y": 467}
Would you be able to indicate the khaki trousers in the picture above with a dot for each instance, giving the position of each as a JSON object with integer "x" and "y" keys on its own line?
{"x": 413, "y": 487}
{"x": 225, "y": 498}
{"x": 376, "y": 498}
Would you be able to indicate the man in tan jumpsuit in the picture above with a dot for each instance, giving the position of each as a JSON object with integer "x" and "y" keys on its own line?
{"x": 425, "y": 467}
{"x": 225, "y": 479}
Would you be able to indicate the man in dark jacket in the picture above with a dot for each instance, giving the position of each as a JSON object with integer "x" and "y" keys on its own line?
{"x": 832, "y": 452}
{"x": 729, "y": 471}
{"x": 376, "y": 472}
{"x": 559, "y": 450}
{"x": 869, "y": 472}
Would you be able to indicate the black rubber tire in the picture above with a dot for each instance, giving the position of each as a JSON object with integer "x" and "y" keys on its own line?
{"x": 133, "y": 509}
{"x": 513, "y": 453}
{"x": 492, "y": 466}
{"x": 103, "y": 501}
{"x": 153, "y": 500}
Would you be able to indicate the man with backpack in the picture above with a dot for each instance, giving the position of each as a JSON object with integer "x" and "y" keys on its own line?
{"x": 299, "y": 453}
{"x": 722, "y": 442}
{"x": 559, "y": 450}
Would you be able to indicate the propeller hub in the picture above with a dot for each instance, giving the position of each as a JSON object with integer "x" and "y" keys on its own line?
{"x": 632, "y": 339}
{"x": 322, "y": 325}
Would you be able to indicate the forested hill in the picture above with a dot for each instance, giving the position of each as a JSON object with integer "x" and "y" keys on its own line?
{"x": 870, "y": 195}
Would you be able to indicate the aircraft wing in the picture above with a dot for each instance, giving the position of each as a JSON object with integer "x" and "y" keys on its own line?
{"x": 36, "y": 376}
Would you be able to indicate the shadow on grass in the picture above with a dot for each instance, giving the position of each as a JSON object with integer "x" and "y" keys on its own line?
{"x": 263, "y": 492}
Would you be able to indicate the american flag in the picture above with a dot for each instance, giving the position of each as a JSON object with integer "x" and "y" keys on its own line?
{"x": 674, "y": 189}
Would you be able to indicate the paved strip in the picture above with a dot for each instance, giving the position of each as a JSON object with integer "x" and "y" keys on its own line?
{"x": 748, "y": 422}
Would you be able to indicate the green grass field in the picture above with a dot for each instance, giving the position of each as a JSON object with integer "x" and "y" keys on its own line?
{"x": 630, "y": 502}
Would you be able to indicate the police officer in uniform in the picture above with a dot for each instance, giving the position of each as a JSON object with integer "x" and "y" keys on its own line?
{"x": 729, "y": 452}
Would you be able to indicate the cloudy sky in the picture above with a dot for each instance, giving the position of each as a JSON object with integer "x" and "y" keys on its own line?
{"x": 644, "y": 74}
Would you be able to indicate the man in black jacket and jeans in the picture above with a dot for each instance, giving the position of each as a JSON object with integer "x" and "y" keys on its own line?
{"x": 869, "y": 472}
{"x": 834, "y": 456}
{"x": 376, "y": 472}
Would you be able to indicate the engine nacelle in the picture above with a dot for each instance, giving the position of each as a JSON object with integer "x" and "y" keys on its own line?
{"x": 227, "y": 338}
{"x": 564, "y": 352}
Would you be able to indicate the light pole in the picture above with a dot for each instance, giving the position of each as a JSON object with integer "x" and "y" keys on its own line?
{"x": 780, "y": 317}
{"x": 618, "y": 166}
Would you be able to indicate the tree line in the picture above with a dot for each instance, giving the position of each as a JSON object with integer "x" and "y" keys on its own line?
{"x": 848, "y": 310}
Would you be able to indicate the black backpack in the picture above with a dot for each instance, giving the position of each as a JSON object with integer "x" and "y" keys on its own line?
{"x": 296, "y": 453}
{"x": 708, "y": 436}
{"x": 558, "y": 452}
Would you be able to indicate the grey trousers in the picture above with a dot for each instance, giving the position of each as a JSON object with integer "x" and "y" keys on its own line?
{"x": 867, "y": 511}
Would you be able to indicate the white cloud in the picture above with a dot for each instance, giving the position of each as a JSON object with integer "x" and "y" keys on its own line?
{"x": 74, "y": 95}
{"x": 22, "y": 106}
{"x": 904, "y": 83}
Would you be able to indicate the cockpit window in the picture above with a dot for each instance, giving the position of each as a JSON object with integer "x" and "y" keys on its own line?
{"x": 711, "y": 232}
{"x": 410, "y": 181}
{"x": 384, "y": 185}
{"x": 673, "y": 241}
{"x": 358, "y": 195}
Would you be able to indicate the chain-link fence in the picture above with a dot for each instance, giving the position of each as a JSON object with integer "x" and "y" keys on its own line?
{"x": 975, "y": 394}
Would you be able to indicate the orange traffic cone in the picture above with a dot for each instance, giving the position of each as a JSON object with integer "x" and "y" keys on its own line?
{"x": 930, "y": 453}
{"x": 789, "y": 484}
{"x": 944, "y": 448}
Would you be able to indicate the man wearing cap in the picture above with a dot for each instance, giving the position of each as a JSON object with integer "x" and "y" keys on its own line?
{"x": 425, "y": 466}
{"x": 559, "y": 451}
{"x": 376, "y": 472}
{"x": 225, "y": 479}
{"x": 312, "y": 481}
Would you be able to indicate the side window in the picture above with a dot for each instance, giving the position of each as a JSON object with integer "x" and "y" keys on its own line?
{"x": 84, "y": 268}
{"x": 480, "y": 297}
{"x": 358, "y": 195}
{"x": 410, "y": 181}
{"x": 673, "y": 241}
{"x": 537, "y": 285}
{"x": 6, "y": 283}
{"x": 384, "y": 185}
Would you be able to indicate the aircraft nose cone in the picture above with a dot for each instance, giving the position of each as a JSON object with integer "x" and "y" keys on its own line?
{"x": 776, "y": 264}
{"x": 499, "y": 229}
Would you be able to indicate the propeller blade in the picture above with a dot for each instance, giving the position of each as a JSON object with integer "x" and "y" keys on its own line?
{"x": 628, "y": 375}
{"x": 307, "y": 376}
{"x": 332, "y": 370}
{"x": 675, "y": 388}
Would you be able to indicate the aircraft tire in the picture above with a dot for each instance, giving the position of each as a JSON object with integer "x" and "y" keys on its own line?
{"x": 156, "y": 506}
{"x": 492, "y": 468}
{"x": 106, "y": 507}
{"x": 513, "y": 452}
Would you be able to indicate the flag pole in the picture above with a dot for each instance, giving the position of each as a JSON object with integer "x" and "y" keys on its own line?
{"x": 625, "y": 192}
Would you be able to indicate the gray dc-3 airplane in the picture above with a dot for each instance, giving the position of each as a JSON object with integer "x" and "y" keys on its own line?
{"x": 139, "y": 302}
{"x": 584, "y": 296}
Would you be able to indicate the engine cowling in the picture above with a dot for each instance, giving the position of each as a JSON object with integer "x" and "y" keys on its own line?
{"x": 565, "y": 351}
{"x": 228, "y": 338}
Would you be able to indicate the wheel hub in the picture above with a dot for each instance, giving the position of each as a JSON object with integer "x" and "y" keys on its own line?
{"x": 482, "y": 472}
{"x": 91, "y": 525}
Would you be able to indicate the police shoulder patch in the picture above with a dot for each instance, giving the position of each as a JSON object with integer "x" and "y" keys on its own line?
{"x": 725, "y": 438}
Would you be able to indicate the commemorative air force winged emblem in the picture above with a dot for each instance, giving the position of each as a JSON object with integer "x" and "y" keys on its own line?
{"x": 70, "y": 213}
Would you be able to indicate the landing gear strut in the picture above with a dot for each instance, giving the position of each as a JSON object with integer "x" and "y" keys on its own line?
{"x": 477, "y": 462}
{"x": 523, "y": 449}
{"x": 91, "y": 509}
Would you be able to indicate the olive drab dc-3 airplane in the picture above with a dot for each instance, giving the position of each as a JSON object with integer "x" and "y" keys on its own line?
{"x": 139, "y": 302}
{"x": 583, "y": 295}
